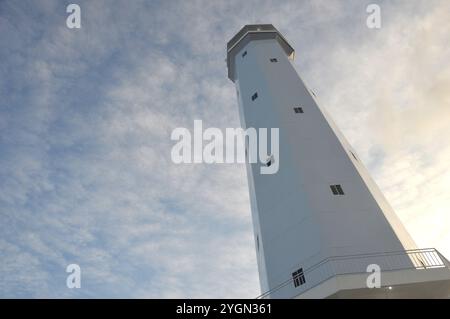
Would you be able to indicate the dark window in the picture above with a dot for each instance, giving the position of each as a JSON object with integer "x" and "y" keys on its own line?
{"x": 298, "y": 277}
{"x": 244, "y": 54}
{"x": 270, "y": 161}
{"x": 354, "y": 156}
{"x": 254, "y": 96}
{"x": 257, "y": 242}
{"x": 337, "y": 189}
{"x": 334, "y": 190}
{"x": 273, "y": 60}
{"x": 298, "y": 109}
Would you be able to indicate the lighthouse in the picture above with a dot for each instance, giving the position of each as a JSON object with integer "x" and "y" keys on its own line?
{"x": 322, "y": 227}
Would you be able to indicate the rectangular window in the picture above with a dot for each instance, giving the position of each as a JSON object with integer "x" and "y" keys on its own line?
{"x": 244, "y": 54}
{"x": 334, "y": 190}
{"x": 298, "y": 109}
{"x": 298, "y": 277}
{"x": 270, "y": 160}
{"x": 254, "y": 96}
{"x": 337, "y": 189}
{"x": 273, "y": 60}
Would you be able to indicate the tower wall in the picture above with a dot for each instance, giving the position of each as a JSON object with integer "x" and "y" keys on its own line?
{"x": 297, "y": 219}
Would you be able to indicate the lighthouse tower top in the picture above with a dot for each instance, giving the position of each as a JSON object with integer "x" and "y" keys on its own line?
{"x": 249, "y": 33}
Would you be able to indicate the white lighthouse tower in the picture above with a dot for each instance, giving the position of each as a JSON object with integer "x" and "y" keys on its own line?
{"x": 322, "y": 227}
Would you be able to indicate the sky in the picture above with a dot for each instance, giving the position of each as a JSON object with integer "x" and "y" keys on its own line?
{"x": 86, "y": 115}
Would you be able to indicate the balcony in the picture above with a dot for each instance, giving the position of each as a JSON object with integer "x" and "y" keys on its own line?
{"x": 410, "y": 267}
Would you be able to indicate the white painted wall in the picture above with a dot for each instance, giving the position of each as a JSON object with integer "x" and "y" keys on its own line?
{"x": 298, "y": 220}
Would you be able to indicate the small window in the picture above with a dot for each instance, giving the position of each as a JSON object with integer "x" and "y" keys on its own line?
{"x": 273, "y": 60}
{"x": 298, "y": 109}
{"x": 354, "y": 156}
{"x": 298, "y": 277}
{"x": 270, "y": 161}
{"x": 336, "y": 190}
{"x": 244, "y": 54}
{"x": 257, "y": 242}
{"x": 255, "y": 96}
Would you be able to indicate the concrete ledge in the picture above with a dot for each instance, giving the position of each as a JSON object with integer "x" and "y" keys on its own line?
{"x": 405, "y": 284}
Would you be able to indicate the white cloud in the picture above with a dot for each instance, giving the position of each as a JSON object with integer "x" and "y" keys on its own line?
{"x": 86, "y": 175}
{"x": 390, "y": 96}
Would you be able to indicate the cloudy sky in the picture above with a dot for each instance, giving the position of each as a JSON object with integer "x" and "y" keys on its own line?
{"x": 86, "y": 116}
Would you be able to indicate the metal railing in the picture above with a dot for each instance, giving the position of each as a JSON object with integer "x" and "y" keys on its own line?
{"x": 356, "y": 264}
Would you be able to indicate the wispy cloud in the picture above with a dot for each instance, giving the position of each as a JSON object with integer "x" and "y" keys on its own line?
{"x": 86, "y": 116}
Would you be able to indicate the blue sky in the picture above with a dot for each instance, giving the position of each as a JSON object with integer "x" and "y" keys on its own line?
{"x": 86, "y": 116}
